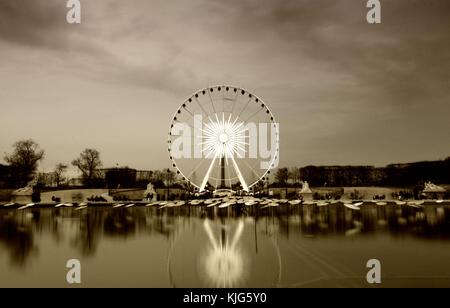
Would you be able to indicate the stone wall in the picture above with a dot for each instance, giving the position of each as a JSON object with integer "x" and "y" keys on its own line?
{"x": 5, "y": 195}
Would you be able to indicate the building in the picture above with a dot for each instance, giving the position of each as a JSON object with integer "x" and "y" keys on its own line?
{"x": 119, "y": 177}
{"x": 143, "y": 177}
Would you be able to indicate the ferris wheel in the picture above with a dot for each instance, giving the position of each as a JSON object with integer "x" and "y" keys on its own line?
{"x": 224, "y": 138}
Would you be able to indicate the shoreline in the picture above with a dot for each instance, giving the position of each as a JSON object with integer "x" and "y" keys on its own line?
{"x": 230, "y": 202}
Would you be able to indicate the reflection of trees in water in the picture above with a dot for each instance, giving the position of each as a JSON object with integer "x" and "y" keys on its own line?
{"x": 431, "y": 221}
{"x": 18, "y": 228}
{"x": 336, "y": 219}
{"x": 17, "y": 237}
{"x": 89, "y": 231}
{"x": 120, "y": 223}
{"x": 54, "y": 222}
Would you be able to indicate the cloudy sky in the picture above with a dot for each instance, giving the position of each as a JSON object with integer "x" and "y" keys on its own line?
{"x": 344, "y": 91}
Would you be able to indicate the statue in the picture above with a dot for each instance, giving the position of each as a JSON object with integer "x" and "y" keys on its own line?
{"x": 150, "y": 193}
{"x": 305, "y": 188}
{"x": 433, "y": 191}
{"x": 430, "y": 187}
{"x": 305, "y": 193}
{"x": 24, "y": 195}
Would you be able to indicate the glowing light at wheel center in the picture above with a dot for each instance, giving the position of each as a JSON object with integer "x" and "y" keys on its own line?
{"x": 224, "y": 138}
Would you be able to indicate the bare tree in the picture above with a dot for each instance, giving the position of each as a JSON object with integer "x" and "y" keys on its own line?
{"x": 294, "y": 175}
{"x": 25, "y": 160}
{"x": 169, "y": 179}
{"x": 60, "y": 169}
{"x": 88, "y": 163}
{"x": 282, "y": 177}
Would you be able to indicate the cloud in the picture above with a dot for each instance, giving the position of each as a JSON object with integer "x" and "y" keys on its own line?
{"x": 330, "y": 77}
{"x": 33, "y": 23}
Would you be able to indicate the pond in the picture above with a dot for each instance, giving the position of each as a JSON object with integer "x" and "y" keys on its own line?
{"x": 195, "y": 246}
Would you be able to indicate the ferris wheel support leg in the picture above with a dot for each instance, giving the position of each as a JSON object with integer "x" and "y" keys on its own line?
{"x": 205, "y": 180}
{"x": 239, "y": 174}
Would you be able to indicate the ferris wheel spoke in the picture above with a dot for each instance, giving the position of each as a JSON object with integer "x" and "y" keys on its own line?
{"x": 241, "y": 178}
{"x": 196, "y": 168}
{"x": 210, "y": 148}
{"x": 218, "y": 121}
{"x": 234, "y": 102}
{"x": 236, "y": 128}
{"x": 185, "y": 123}
{"x": 185, "y": 108}
{"x": 212, "y": 103}
{"x": 238, "y": 147}
{"x": 208, "y": 174}
{"x": 223, "y": 102}
{"x": 246, "y": 105}
{"x": 253, "y": 115}
{"x": 201, "y": 107}
{"x": 253, "y": 170}
{"x": 229, "y": 119}
{"x": 241, "y": 142}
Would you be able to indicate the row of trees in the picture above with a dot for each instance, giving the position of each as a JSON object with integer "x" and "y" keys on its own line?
{"x": 27, "y": 154}
{"x": 394, "y": 175}
{"x": 23, "y": 163}
{"x": 24, "y": 160}
{"x": 288, "y": 177}
{"x": 285, "y": 177}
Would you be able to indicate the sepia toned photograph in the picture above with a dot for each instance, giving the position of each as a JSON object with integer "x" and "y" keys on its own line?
{"x": 206, "y": 145}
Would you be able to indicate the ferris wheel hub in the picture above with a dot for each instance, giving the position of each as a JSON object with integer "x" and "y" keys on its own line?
{"x": 223, "y": 138}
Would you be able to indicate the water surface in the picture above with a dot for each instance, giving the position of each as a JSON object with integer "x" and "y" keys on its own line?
{"x": 287, "y": 246}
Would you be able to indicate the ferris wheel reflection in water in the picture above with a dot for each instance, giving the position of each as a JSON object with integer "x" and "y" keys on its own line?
{"x": 223, "y": 258}
{"x": 224, "y": 261}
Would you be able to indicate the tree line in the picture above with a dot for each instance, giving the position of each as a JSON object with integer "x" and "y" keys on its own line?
{"x": 23, "y": 162}
{"x": 393, "y": 175}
